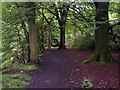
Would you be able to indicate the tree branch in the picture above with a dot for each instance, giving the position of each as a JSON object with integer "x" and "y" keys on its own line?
{"x": 115, "y": 23}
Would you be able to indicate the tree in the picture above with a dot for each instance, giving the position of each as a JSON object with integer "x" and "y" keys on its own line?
{"x": 48, "y": 30}
{"x": 32, "y": 32}
{"x": 61, "y": 12}
{"x": 61, "y": 15}
{"x": 25, "y": 32}
{"x": 102, "y": 53}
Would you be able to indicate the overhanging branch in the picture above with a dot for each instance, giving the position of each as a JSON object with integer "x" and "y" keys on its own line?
{"x": 114, "y": 23}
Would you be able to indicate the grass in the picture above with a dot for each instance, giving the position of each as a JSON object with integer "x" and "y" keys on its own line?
{"x": 19, "y": 67}
{"x": 26, "y": 67}
{"x": 17, "y": 80}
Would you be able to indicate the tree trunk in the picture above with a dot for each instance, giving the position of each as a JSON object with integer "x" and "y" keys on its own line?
{"x": 42, "y": 41}
{"x": 62, "y": 23}
{"x": 41, "y": 44}
{"x": 102, "y": 53}
{"x": 62, "y": 37}
{"x": 27, "y": 39}
{"x": 38, "y": 40}
{"x": 32, "y": 33}
{"x": 48, "y": 36}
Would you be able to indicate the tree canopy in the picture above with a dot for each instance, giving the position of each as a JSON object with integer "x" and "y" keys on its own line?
{"x": 31, "y": 27}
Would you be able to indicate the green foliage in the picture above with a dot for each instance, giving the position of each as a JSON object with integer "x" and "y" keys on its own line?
{"x": 15, "y": 80}
{"x": 114, "y": 10}
{"x": 80, "y": 18}
{"x": 87, "y": 83}
{"x": 84, "y": 41}
{"x": 6, "y": 64}
{"x": 115, "y": 45}
{"x": 13, "y": 36}
{"x": 115, "y": 38}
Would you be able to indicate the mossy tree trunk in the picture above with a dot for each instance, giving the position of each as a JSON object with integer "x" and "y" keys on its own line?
{"x": 32, "y": 33}
{"x": 102, "y": 53}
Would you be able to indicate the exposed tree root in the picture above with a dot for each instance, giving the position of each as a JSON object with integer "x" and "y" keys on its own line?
{"x": 91, "y": 59}
{"x": 101, "y": 58}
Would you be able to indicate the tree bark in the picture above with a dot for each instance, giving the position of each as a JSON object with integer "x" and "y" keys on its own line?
{"x": 48, "y": 36}
{"x": 48, "y": 30}
{"x": 102, "y": 53}
{"x": 62, "y": 18}
{"x": 62, "y": 37}
{"x": 32, "y": 33}
{"x": 42, "y": 40}
{"x": 42, "y": 47}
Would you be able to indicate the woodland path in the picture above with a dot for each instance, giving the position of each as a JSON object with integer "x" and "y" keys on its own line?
{"x": 64, "y": 69}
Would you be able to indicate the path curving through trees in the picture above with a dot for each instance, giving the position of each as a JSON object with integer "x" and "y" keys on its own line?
{"x": 64, "y": 69}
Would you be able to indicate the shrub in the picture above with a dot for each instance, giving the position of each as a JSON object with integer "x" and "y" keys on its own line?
{"x": 84, "y": 42}
{"x": 87, "y": 83}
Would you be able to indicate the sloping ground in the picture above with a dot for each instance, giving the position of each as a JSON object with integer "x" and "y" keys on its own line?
{"x": 64, "y": 69}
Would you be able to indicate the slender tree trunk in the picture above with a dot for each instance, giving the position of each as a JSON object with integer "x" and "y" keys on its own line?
{"x": 27, "y": 39}
{"x": 28, "y": 49}
{"x": 49, "y": 30}
{"x": 32, "y": 33}
{"x": 62, "y": 37}
{"x": 42, "y": 40}
{"x": 102, "y": 53}
{"x": 41, "y": 36}
{"x": 62, "y": 24}
{"x": 21, "y": 59}
{"x": 38, "y": 40}
{"x": 48, "y": 36}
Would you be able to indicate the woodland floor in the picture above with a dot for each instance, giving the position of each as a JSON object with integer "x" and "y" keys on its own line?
{"x": 64, "y": 69}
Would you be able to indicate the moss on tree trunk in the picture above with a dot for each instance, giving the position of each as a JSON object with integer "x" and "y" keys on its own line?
{"x": 102, "y": 53}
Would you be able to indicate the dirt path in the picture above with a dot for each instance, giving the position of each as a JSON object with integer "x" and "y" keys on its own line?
{"x": 64, "y": 69}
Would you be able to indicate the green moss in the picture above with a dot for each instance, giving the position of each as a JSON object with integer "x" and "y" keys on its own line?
{"x": 102, "y": 59}
{"x": 91, "y": 59}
